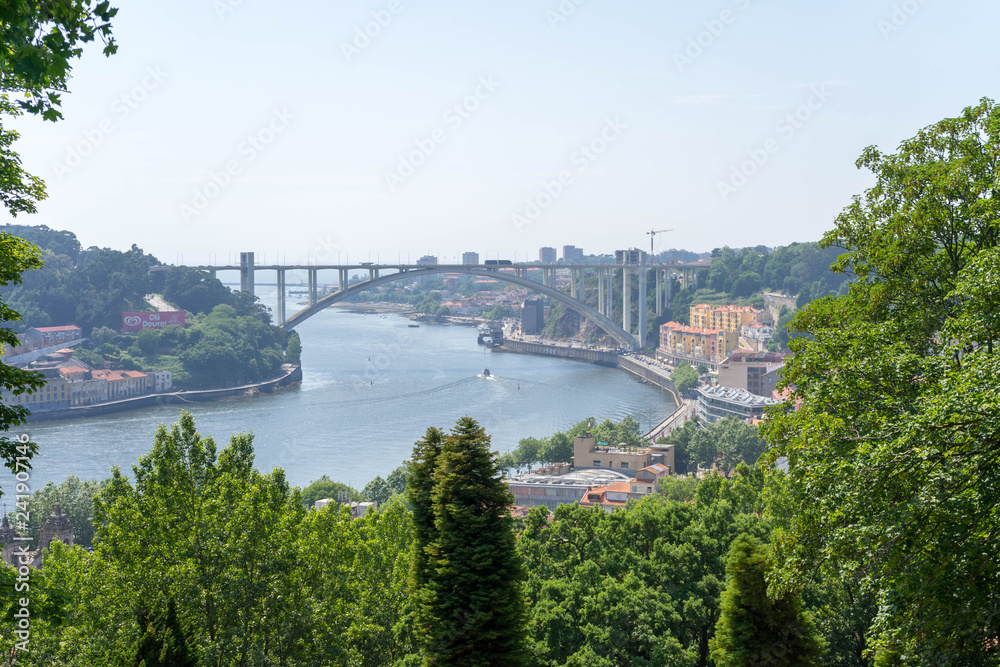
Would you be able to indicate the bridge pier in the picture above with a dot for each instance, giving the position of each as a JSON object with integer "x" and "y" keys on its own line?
{"x": 312, "y": 286}
{"x": 342, "y": 279}
{"x": 643, "y": 277}
{"x": 281, "y": 297}
{"x": 600, "y": 292}
{"x": 626, "y": 300}
{"x": 246, "y": 272}
{"x": 572, "y": 283}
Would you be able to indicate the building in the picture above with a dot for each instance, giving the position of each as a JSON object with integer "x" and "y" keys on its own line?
{"x": 162, "y": 381}
{"x": 680, "y": 343}
{"x": 588, "y": 453}
{"x": 532, "y": 316}
{"x": 357, "y": 509}
{"x": 49, "y": 336}
{"x": 571, "y": 252}
{"x": 53, "y": 395}
{"x": 647, "y": 480}
{"x": 717, "y": 403}
{"x": 724, "y": 318}
{"x": 630, "y": 257}
{"x": 470, "y": 258}
{"x": 609, "y": 498}
{"x": 427, "y": 260}
{"x": 124, "y": 384}
{"x": 756, "y": 335}
{"x": 547, "y": 255}
{"x": 551, "y": 487}
{"x": 744, "y": 369}
{"x": 57, "y": 528}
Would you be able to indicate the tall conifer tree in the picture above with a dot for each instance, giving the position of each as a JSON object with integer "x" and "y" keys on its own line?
{"x": 472, "y": 609}
{"x": 756, "y": 630}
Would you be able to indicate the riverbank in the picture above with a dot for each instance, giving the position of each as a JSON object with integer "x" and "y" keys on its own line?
{"x": 384, "y": 307}
{"x": 291, "y": 374}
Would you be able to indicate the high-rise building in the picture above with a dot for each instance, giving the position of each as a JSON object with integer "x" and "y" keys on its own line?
{"x": 547, "y": 255}
{"x": 630, "y": 256}
{"x": 532, "y": 316}
{"x": 571, "y": 252}
{"x": 428, "y": 260}
{"x": 470, "y": 258}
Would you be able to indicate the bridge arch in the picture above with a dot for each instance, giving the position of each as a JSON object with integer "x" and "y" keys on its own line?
{"x": 619, "y": 334}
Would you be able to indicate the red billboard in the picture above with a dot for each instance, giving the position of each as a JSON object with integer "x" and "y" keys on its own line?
{"x": 140, "y": 321}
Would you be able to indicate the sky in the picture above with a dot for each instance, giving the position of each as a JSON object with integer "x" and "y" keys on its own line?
{"x": 383, "y": 130}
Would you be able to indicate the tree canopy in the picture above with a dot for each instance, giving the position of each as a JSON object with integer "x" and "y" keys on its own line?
{"x": 893, "y": 453}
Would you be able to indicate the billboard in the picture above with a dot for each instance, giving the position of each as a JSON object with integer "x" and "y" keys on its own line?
{"x": 140, "y": 321}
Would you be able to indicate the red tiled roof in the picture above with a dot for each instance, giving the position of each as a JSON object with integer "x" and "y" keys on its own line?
{"x": 68, "y": 327}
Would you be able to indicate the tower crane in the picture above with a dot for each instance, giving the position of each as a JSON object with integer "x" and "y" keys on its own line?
{"x": 652, "y": 235}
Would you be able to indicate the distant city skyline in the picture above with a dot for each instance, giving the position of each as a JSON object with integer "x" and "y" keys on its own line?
{"x": 389, "y": 127}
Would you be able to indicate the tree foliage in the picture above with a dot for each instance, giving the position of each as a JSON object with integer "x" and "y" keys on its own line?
{"x": 893, "y": 453}
{"x": 472, "y": 608}
{"x": 684, "y": 377}
{"x": 756, "y": 629}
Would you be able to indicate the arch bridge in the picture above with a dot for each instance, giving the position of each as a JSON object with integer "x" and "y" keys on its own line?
{"x": 516, "y": 274}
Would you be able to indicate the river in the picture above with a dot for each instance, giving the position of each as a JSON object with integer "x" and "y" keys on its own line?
{"x": 371, "y": 386}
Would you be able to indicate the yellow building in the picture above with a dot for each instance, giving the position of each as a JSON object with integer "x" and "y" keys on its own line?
{"x": 725, "y": 318}
{"x": 680, "y": 343}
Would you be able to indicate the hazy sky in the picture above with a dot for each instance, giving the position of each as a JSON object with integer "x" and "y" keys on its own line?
{"x": 228, "y": 125}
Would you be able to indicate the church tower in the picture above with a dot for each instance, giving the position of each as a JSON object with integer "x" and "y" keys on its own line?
{"x": 7, "y": 541}
{"x": 56, "y": 527}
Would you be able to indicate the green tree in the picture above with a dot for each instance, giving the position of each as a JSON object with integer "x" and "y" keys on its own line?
{"x": 293, "y": 350}
{"x": 75, "y": 499}
{"x": 684, "y": 377}
{"x": 163, "y": 642}
{"x": 754, "y": 629}
{"x": 473, "y": 601}
{"x": 324, "y": 487}
{"x": 16, "y": 256}
{"x": 892, "y": 456}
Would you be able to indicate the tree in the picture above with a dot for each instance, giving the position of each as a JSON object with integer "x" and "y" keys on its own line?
{"x": 754, "y": 629}
{"x": 892, "y": 455}
{"x": 163, "y": 642}
{"x": 76, "y": 500}
{"x": 472, "y": 598}
{"x": 40, "y": 39}
{"x": 684, "y": 377}
{"x": 16, "y": 256}
{"x": 324, "y": 487}
{"x": 293, "y": 350}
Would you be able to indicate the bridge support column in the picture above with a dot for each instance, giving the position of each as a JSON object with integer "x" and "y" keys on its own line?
{"x": 281, "y": 297}
{"x": 212, "y": 273}
{"x": 246, "y": 272}
{"x": 342, "y": 279}
{"x": 312, "y": 286}
{"x": 659, "y": 291}
{"x": 626, "y": 300}
{"x": 642, "y": 300}
{"x": 600, "y": 292}
{"x": 572, "y": 283}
